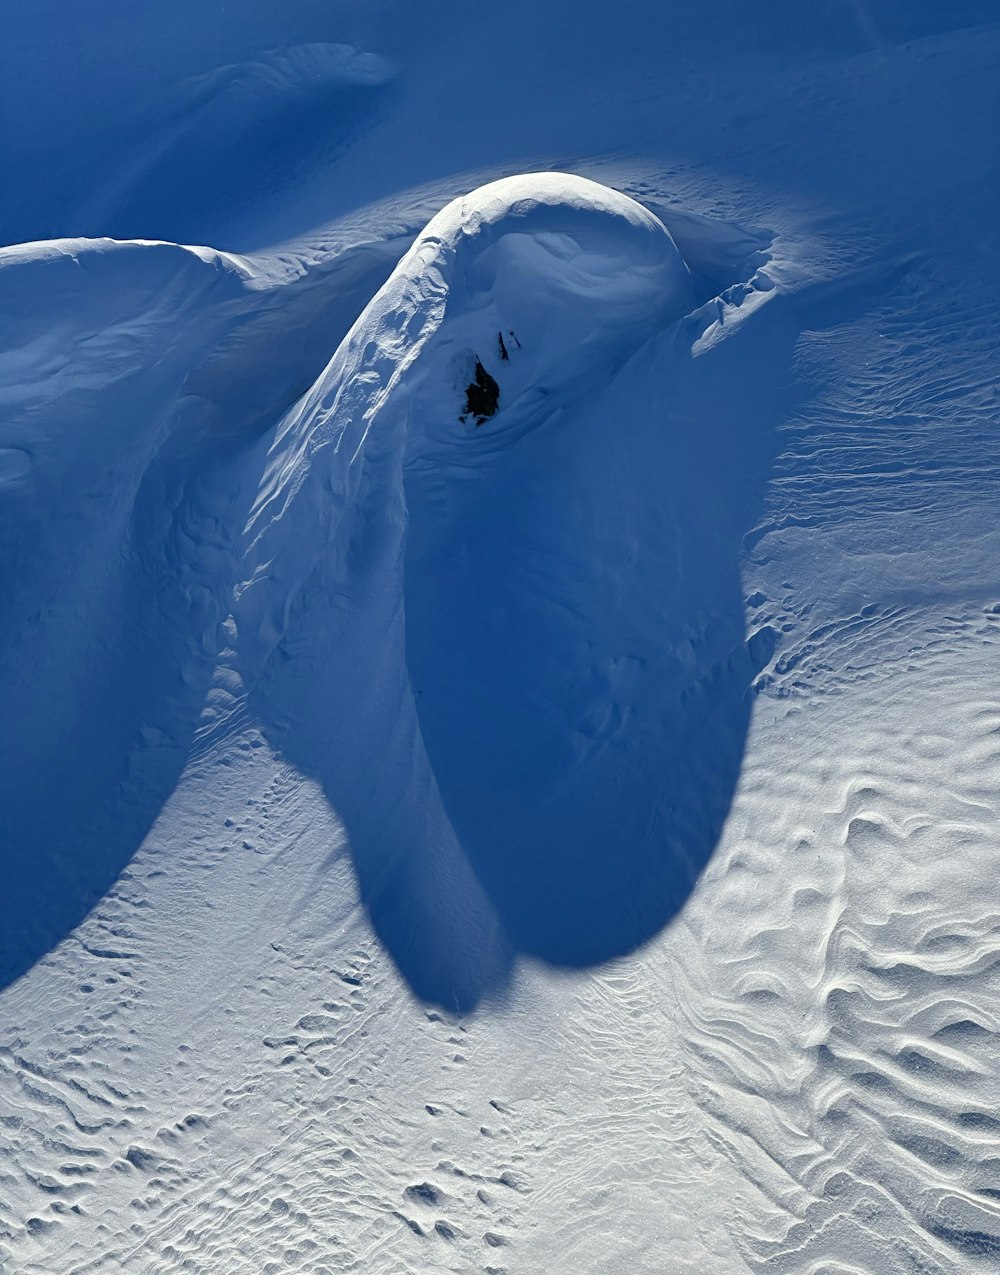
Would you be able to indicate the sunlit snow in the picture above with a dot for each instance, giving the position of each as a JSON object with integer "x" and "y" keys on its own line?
{"x": 499, "y": 618}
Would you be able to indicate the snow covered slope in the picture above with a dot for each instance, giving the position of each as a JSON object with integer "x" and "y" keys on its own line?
{"x": 392, "y": 547}
{"x": 498, "y": 644}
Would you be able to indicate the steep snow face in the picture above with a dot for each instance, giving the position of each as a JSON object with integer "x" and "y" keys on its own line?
{"x": 463, "y": 596}
{"x": 557, "y": 277}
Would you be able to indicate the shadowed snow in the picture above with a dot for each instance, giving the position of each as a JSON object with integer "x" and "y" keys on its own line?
{"x": 534, "y": 624}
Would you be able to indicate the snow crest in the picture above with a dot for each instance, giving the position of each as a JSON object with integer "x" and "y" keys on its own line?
{"x": 549, "y": 280}
{"x": 452, "y": 585}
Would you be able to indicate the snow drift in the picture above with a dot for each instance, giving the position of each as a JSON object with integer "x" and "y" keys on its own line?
{"x": 530, "y": 616}
{"x": 570, "y": 275}
{"x": 500, "y": 671}
{"x": 489, "y": 605}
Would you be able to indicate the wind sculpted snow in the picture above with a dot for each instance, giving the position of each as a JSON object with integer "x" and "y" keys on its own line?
{"x": 116, "y": 499}
{"x": 533, "y": 621}
{"x": 329, "y": 690}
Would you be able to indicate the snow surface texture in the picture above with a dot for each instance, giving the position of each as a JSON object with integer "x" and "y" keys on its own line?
{"x": 557, "y": 841}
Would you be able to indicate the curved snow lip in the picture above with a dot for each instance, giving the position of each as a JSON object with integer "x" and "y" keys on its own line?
{"x": 587, "y": 275}
{"x": 533, "y": 622}
{"x": 390, "y": 552}
{"x": 552, "y": 202}
{"x": 132, "y": 374}
{"x": 553, "y": 280}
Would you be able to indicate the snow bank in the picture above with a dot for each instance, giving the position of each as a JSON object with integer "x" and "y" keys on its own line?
{"x": 549, "y": 280}
{"x": 108, "y": 583}
{"x": 470, "y": 627}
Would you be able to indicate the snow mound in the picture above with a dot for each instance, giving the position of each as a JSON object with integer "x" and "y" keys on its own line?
{"x": 106, "y": 590}
{"x": 345, "y": 579}
{"x": 547, "y": 280}
{"x": 480, "y": 592}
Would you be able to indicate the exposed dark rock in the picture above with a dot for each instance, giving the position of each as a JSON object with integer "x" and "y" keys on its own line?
{"x": 482, "y": 397}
